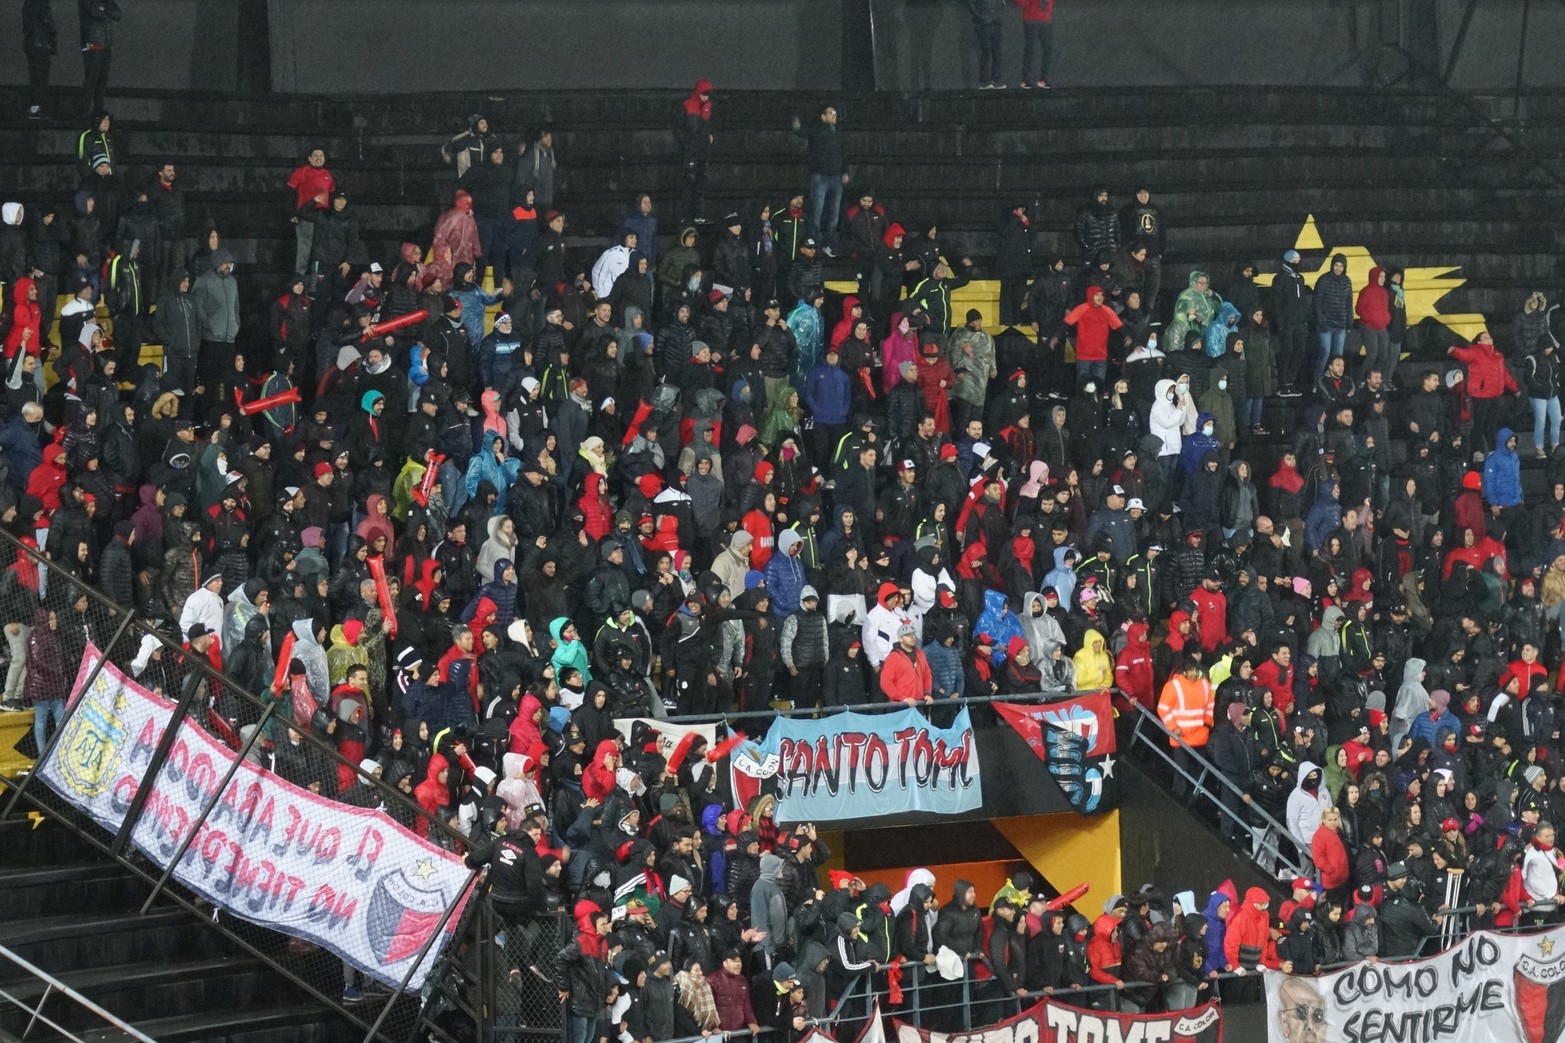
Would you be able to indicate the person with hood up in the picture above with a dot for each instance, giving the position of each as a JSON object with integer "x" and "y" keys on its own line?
{"x": 216, "y": 299}
{"x": 1412, "y": 700}
{"x": 1306, "y": 805}
{"x": 1094, "y": 320}
{"x": 1374, "y": 314}
{"x": 1194, "y": 309}
{"x": 1094, "y": 666}
{"x": 1502, "y": 476}
{"x": 1225, "y": 322}
{"x": 569, "y": 650}
{"x": 1247, "y": 942}
{"x": 1165, "y": 422}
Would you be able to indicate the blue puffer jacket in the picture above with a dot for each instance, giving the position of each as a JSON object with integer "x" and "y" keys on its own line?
{"x": 1325, "y": 517}
{"x": 785, "y": 575}
{"x": 1502, "y": 473}
{"x": 999, "y": 622}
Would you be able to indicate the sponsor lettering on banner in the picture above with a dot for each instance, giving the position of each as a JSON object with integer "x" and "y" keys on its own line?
{"x": 1075, "y": 740}
{"x": 857, "y": 766}
{"x": 1489, "y": 988}
{"x": 1051, "y": 1022}
{"x": 351, "y": 880}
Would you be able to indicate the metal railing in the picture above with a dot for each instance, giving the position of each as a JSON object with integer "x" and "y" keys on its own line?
{"x": 55, "y": 987}
{"x": 385, "y": 1014}
{"x": 1264, "y": 832}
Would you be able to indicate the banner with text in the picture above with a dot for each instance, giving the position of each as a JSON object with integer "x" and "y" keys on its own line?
{"x": 1490, "y": 988}
{"x": 1075, "y": 740}
{"x": 349, "y": 879}
{"x": 858, "y": 766}
{"x": 1051, "y": 1022}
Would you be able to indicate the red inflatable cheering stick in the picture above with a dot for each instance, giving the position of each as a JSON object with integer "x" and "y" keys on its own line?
{"x": 383, "y": 595}
{"x": 426, "y": 484}
{"x": 1068, "y": 898}
{"x": 380, "y": 329}
{"x": 261, "y": 405}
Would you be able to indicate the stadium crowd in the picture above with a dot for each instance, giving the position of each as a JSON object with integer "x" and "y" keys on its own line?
{"x": 675, "y": 476}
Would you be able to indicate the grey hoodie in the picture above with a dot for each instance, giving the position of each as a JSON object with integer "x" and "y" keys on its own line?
{"x": 216, "y": 296}
{"x": 1326, "y": 641}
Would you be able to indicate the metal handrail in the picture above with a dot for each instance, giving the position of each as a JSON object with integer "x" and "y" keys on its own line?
{"x": 1271, "y": 827}
{"x": 54, "y": 985}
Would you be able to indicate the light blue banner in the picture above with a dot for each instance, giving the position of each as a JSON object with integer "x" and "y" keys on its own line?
{"x": 858, "y": 766}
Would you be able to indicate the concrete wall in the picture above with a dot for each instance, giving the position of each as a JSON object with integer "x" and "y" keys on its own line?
{"x": 412, "y": 46}
{"x": 415, "y": 45}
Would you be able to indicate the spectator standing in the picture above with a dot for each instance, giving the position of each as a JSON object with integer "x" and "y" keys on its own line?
{"x": 1037, "y": 42}
{"x": 1290, "y": 315}
{"x": 312, "y": 186}
{"x": 828, "y": 175}
{"x": 96, "y": 19}
{"x": 1333, "y": 313}
{"x": 988, "y": 24}
{"x": 1141, "y": 220}
{"x": 40, "y": 41}
{"x": 693, "y": 128}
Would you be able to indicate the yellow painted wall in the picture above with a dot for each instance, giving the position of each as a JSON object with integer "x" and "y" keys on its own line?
{"x": 1069, "y": 849}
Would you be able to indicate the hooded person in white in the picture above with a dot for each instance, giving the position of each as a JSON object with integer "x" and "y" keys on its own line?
{"x": 1412, "y": 700}
{"x": 1166, "y": 418}
{"x": 517, "y": 789}
{"x": 914, "y": 878}
{"x": 1043, "y": 630}
{"x": 307, "y": 649}
{"x": 1306, "y": 804}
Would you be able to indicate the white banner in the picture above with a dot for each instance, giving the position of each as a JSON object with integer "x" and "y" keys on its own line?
{"x": 670, "y": 735}
{"x": 1490, "y": 988}
{"x": 349, "y": 879}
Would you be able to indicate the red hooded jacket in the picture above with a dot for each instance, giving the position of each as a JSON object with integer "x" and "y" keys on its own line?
{"x": 1093, "y": 320}
{"x": 1374, "y": 303}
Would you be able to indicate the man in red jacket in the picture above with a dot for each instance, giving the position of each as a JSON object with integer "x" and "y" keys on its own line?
{"x": 1212, "y": 611}
{"x": 905, "y": 676}
{"x": 312, "y": 186}
{"x": 1488, "y": 380}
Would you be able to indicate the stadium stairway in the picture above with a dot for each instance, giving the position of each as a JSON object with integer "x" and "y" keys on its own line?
{"x": 74, "y": 912}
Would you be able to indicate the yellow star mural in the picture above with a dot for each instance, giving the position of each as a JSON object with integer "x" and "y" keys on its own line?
{"x": 424, "y": 869}
{"x": 1546, "y": 946}
{"x": 1423, "y": 288}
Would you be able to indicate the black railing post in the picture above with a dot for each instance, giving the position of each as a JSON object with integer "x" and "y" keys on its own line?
{"x": 70, "y": 711}
{"x": 149, "y": 778}
{"x": 217, "y": 795}
{"x": 418, "y": 958}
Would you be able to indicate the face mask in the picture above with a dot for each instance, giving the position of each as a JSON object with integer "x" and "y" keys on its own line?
{"x": 1090, "y": 388}
{"x": 1222, "y": 385}
{"x": 694, "y": 284}
{"x": 1207, "y": 430}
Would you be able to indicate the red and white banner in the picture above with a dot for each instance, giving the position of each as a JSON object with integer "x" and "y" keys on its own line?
{"x": 1075, "y": 739}
{"x": 349, "y": 879}
{"x": 1051, "y": 1022}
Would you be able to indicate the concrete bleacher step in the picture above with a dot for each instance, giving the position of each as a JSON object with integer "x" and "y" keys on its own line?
{"x": 1413, "y": 176}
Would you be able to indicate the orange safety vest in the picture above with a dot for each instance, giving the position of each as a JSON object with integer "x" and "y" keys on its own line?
{"x": 1185, "y": 708}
